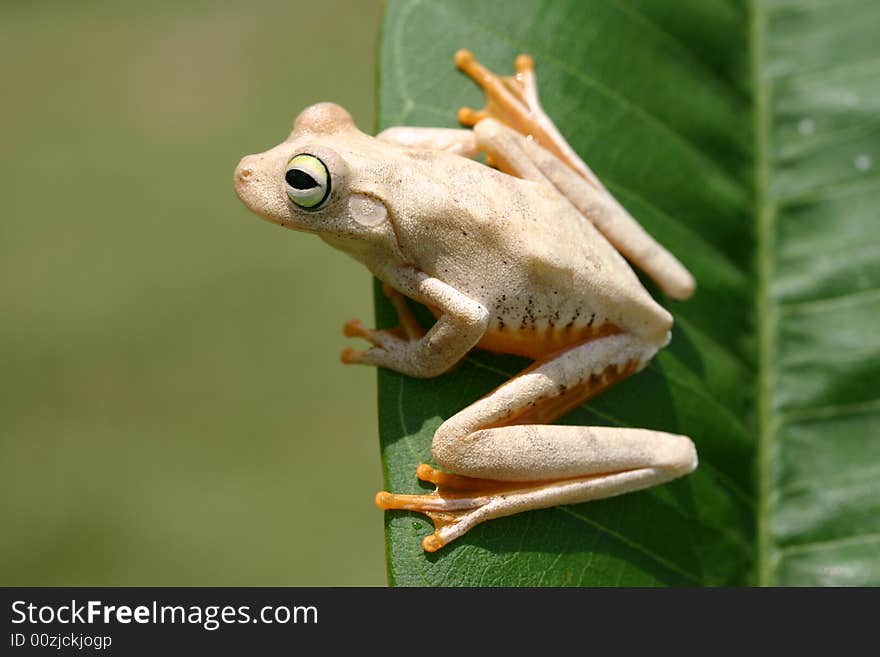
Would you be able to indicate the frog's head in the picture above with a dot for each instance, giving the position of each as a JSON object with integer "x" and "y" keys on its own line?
{"x": 304, "y": 183}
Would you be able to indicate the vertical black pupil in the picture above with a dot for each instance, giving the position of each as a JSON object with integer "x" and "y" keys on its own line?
{"x": 299, "y": 179}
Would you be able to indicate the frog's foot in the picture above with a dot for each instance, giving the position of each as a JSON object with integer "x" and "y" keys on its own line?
{"x": 383, "y": 338}
{"x": 387, "y": 344}
{"x": 456, "y": 505}
{"x": 386, "y": 339}
{"x": 513, "y": 100}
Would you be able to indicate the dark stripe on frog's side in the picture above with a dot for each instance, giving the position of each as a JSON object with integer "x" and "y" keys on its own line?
{"x": 541, "y": 337}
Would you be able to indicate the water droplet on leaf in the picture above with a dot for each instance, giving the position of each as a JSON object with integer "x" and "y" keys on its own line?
{"x": 806, "y": 127}
{"x": 863, "y": 162}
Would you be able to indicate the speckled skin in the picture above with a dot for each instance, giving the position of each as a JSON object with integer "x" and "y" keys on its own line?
{"x": 510, "y": 260}
{"x": 540, "y": 263}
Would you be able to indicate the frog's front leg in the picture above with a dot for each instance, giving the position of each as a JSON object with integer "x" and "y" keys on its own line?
{"x": 505, "y": 459}
{"x": 461, "y": 324}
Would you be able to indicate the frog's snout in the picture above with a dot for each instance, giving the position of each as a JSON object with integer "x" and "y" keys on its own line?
{"x": 245, "y": 179}
{"x": 244, "y": 172}
{"x": 251, "y": 187}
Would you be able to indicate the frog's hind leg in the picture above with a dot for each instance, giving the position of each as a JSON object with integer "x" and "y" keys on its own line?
{"x": 502, "y": 458}
{"x": 520, "y": 139}
{"x": 460, "y": 142}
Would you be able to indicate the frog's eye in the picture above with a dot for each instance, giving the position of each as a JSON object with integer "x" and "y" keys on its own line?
{"x": 308, "y": 181}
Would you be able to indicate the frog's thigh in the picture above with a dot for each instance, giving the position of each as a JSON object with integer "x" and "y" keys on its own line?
{"x": 472, "y": 444}
{"x": 460, "y": 142}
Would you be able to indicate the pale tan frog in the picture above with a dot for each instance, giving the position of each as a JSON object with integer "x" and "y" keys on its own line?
{"x": 520, "y": 257}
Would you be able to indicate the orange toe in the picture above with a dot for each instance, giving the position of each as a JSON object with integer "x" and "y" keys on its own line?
{"x": 349, "y": 356}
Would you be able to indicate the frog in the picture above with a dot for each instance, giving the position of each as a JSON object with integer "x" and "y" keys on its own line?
{"x": 505, "y": 234}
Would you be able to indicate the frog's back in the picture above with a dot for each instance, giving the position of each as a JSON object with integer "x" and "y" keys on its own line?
{"x": 546, "y": 274}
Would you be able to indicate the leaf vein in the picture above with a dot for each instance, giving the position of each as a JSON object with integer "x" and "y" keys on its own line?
{"x": 815, "y": 546}
{"x": 631, "y": 543}
{"x": 829, "y": 303}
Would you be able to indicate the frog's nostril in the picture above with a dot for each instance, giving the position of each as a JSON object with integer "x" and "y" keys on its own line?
{"x": 246, "y": 170}
{"x": 244, "y": 179}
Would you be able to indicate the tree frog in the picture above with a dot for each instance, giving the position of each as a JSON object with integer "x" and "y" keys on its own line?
{"x": 525, "y": 255}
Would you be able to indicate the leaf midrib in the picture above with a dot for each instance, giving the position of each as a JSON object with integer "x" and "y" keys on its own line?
{"x": 765, "y": 308}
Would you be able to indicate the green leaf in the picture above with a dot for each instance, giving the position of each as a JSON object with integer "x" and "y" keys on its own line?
{"x": 745, "y": 137}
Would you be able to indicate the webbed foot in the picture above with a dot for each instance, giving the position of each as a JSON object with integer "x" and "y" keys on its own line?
{"x": 409, "y": 330}
{"x": 513, "y": 100}
{"x": 457, "y": 504}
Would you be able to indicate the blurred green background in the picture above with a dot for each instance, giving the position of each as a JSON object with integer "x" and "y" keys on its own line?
{"x": 173, "y": 408}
